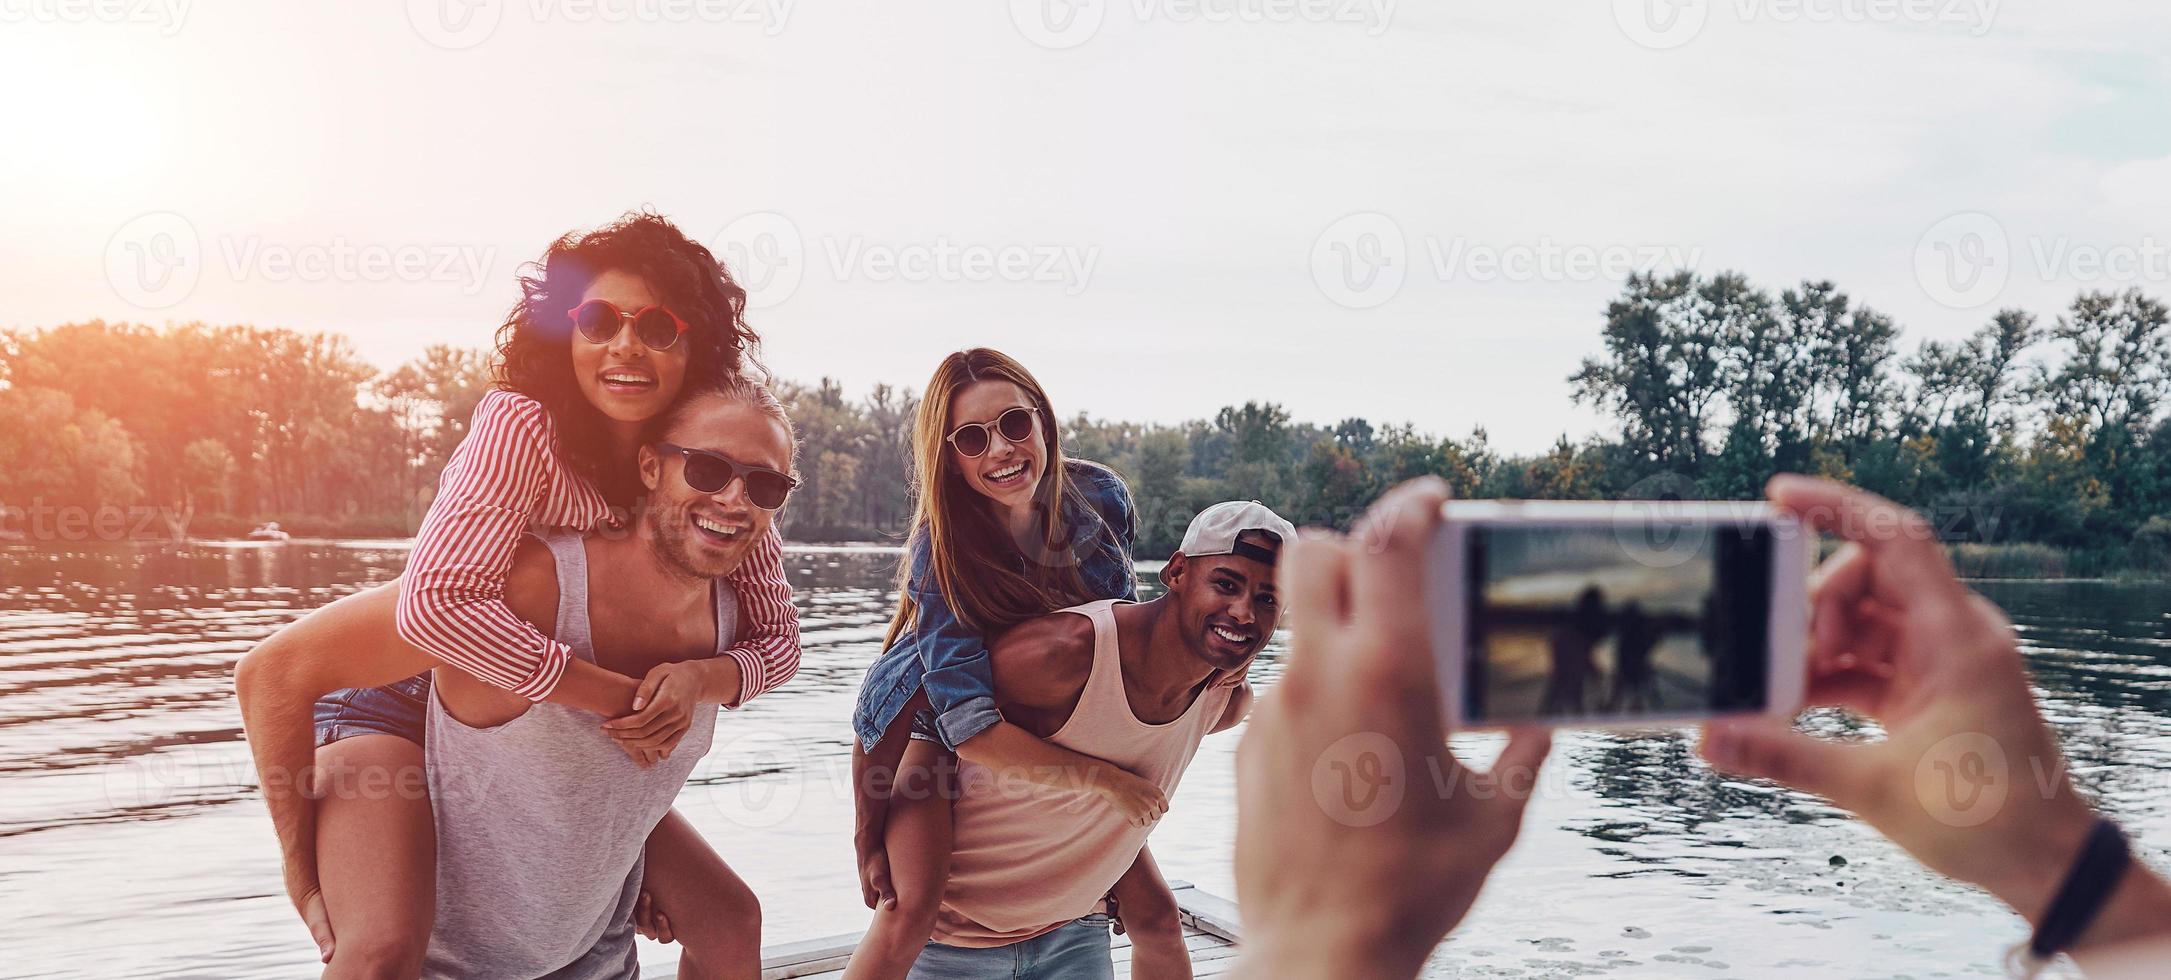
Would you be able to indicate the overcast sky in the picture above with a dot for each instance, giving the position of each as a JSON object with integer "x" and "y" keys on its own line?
{"x": 1404, "y": 211}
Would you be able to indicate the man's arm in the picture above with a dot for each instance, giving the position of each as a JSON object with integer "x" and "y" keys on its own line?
{"x": 350, "y": 643}
{"x": 1239, "y": 706}
{"x": 1041, "y": 666}
{"x": 1040, "y": 669}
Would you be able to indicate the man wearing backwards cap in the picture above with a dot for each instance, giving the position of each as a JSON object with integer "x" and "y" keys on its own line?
{"x": 1137, "y": 684}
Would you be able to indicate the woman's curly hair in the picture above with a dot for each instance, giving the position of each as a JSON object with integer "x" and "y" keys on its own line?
{"x": 535, "y": 343}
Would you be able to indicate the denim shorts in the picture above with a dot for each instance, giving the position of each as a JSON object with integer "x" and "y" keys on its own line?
{"x": 394, "y": 709}
{"x": 1077, "y": 951}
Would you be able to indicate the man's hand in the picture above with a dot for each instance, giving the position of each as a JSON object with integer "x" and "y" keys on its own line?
{"x": 874, "y": 870}
{"x": 1349, "y": 862}
{"x": 1139, "y": 801}
{"x": 308, "y": 900}
{"x": 649, "y": 921}
{"x": 1969, "y": 778}
{"x": 663, "y": 710}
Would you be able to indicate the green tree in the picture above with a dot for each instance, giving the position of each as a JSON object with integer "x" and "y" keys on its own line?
{"x": 1661, "y": 372}
{"x": 62, "y": 455}
{"x": 207, "y": 475}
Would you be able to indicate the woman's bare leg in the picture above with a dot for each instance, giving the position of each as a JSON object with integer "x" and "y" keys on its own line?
{"x": 919, "y": 837}
{"x": 376, "y": 856}
{"x": 711, "y": 914}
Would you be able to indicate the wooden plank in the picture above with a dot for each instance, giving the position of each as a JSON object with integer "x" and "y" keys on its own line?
{"x": 806, "y": 958}
{"x": 1208, "y": 912}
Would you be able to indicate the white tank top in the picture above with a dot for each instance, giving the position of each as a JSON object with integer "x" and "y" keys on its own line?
{"x": 541, "y": 821}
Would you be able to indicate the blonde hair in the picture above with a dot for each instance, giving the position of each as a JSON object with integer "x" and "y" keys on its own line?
{"x": 968, "y": 547}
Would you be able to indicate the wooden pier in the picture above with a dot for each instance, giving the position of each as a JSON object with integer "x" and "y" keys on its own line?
{"x": 1209, "y": 923}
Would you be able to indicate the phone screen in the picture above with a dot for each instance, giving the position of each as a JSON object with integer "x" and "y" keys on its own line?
{"x": 1614, "y": 623}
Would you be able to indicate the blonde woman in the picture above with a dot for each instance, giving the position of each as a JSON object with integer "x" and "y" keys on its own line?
{"x": 1006, "y": 529}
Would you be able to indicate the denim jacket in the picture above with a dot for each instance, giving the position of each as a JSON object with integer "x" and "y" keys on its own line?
{"x": 950, "y": 659}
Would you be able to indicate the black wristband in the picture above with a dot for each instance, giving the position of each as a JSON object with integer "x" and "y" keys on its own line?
{"x": 2102, "y": 862}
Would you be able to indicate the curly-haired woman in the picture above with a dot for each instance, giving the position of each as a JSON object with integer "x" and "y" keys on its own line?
{"x": 611, "y": 326}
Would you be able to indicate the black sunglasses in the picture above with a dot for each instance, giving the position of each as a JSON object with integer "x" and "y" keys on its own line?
{"x": 709, "y": 472}
{"x": 972, "y": 439}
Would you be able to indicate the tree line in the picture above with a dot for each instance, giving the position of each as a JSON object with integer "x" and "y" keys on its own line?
{"x": 2026, "y": 432}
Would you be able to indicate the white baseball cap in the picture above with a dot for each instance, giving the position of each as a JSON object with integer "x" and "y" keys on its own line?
{"x": 1214, "y": 531}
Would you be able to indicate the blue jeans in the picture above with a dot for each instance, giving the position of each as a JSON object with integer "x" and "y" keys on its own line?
{"x": 394, "y": 709}
{"x": 1077, "y": 951}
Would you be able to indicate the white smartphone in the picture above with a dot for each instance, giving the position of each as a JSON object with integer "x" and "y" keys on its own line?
{"x": 1627, "y": 614}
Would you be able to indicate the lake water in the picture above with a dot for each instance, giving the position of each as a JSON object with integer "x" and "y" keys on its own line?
{"x": 133, "y": 842}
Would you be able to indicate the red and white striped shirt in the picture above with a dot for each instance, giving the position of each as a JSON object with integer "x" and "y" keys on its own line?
{"x": 504, "y": 477}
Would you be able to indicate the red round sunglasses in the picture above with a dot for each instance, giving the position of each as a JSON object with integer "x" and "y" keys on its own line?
{"x": 600, "y": 321}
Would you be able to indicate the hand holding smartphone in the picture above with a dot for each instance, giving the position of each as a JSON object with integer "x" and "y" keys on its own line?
{"x": 1626, "y": 614}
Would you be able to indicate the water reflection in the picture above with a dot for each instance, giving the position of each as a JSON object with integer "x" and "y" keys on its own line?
{"x": 129, "y": 823}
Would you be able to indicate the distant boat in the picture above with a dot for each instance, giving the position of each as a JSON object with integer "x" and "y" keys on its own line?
{"x": 268, "y": 531}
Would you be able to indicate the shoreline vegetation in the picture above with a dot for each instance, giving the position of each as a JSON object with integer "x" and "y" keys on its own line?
{"x": 2037, "y": 449}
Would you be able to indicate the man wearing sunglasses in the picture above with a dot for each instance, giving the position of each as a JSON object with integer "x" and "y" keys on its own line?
{"x": 510, "y": 781}
{"x": 1139, "y": 684}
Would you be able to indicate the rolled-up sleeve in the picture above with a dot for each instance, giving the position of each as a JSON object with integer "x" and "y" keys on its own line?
{"x": 452, "y": 596}
{"x": 956, "y": 672}
{"x": 769, "y": 655}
